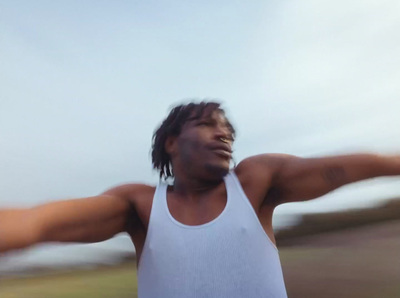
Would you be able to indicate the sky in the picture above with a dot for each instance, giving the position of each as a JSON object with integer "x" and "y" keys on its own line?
{"x": 85, "y": 83}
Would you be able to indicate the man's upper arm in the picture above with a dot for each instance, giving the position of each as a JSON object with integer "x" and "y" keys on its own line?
{"x": 91, "y": 219}
{"x": 290, "y": 178}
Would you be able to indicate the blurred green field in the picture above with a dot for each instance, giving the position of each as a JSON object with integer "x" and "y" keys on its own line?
{"x": 119, "y": 281}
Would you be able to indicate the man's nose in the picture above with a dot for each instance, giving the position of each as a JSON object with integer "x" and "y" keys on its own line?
{"x": 223, "y": 132}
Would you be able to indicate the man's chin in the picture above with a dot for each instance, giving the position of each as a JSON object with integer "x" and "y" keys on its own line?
{"x": 217, "y": 171}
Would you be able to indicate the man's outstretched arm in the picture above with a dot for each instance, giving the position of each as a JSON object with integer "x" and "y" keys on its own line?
{"x": 90, "y": 219}
{"x": 293, "y": 179}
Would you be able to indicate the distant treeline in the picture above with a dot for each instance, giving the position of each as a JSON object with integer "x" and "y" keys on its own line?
{"x": 312, "y": 224}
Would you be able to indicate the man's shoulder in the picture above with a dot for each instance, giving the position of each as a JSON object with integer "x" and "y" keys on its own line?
{"x": 132, "y": 191}
{"x": 259, "y": 164}
{"x": 256, "y": 174}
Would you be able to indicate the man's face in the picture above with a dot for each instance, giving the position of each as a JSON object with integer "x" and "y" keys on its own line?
{"x": 204, "y": 146}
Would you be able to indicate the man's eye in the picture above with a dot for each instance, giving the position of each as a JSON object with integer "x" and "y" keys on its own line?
{"x": 204, "y": 123}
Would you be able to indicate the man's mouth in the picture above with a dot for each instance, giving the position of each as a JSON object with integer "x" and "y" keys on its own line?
{"x": 223, "y": 150}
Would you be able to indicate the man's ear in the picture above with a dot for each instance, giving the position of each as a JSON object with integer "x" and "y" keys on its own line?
{"x": 170, "y": 145}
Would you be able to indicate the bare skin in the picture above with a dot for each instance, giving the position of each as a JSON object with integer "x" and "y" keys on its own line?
{"x": 200, "y": 158}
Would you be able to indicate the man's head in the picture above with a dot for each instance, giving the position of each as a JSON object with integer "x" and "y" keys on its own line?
{"x": 193, "y": 134}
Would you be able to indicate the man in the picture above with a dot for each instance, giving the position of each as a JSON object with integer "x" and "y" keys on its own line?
{"x": 209, "y": 234}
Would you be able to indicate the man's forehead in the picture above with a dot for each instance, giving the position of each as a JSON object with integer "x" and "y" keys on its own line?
{"x": 213, "y": 114}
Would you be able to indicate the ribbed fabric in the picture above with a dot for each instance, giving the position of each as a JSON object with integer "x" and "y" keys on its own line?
{"x": 230, "y": 256}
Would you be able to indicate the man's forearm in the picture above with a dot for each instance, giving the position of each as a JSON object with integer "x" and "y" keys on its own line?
{"x": 346, "y": 169}
{"x": 300, "y": 179}
{"x": 16, "y": 229}
{"x": 388, "y": 165}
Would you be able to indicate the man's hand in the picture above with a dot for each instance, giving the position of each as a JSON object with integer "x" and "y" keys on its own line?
{"x": 293, "y": 179}
{"x": 91, "y": 219}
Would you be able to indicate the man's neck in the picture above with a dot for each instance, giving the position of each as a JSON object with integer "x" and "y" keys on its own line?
{"x": 190, "y": 187}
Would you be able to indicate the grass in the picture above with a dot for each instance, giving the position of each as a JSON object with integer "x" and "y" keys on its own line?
{"x": 102, "y": 283}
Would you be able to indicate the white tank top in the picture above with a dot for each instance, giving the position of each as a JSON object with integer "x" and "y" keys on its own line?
{"x": 230, "y": 256}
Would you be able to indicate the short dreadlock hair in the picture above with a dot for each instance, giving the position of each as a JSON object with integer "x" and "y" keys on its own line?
{"x": 172, "y": 126}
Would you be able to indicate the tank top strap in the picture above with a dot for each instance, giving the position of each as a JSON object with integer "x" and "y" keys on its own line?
{"x": 159, "y": 204}
{"x": 160, "y": 195}
{"x": 234, "y": 187}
